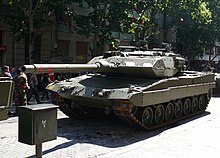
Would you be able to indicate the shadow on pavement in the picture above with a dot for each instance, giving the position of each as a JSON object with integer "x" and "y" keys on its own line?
{"x": 107, "y": 131}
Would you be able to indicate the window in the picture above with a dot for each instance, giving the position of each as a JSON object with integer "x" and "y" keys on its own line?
{"x": 83, "y": 20}
{"x": 63, "y": 48}
{"x": 64, "y": 19}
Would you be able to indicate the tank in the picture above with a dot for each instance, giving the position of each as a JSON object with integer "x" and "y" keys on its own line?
{"x": 216, "y": 91}
{"x": 146, "y": 88}
{"x": 6, "y": 91}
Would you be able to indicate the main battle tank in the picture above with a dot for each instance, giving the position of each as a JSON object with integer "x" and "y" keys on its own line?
{"x": 147, "y": 88}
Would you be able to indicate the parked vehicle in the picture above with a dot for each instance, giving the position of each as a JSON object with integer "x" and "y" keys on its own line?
{"x": 147, "y": 88}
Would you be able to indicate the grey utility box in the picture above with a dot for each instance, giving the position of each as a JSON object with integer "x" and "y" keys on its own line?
{"x": 6, "y": 96}
{"x": 37, "y": 123}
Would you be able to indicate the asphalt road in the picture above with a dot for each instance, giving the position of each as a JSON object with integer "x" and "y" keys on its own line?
{"x": 108, "y": 137}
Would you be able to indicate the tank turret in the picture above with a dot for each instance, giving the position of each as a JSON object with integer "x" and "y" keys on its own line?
{"x": 150, "y": 64}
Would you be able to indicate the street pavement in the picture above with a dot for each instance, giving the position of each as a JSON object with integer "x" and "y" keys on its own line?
{"x": 108, "y": 137}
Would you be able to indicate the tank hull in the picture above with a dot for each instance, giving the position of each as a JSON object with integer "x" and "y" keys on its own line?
{"x": 106, "y": 89}
{"x": 131, "y": 98}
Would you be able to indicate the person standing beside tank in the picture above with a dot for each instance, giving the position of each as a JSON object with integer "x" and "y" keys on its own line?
{"x": 6, "y": 72}
{"x": 21, "y": 88}
{"x": 45, "y": 81}
{"x": 13, "y": 72}
{"x": 33, "y": 89}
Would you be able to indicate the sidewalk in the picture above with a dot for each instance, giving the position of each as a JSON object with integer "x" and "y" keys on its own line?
{"x": 109, "y": 137}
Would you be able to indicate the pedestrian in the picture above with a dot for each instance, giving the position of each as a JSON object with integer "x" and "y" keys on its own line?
{"x": 13, "y": 72}
{"x": 21, "y": 88}
{"x": 51, "y": 75}
{"x": 6, "y": 71}
{"x": 33, "y": 89}
{"x": 23, "y": 69}
{"x": 45, "y": 81}
{"x": 57, "y": 76}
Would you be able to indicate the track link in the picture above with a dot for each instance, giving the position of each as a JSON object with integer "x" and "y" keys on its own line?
{"x": 132, "y": 114}
{"x": 73, "y": 112}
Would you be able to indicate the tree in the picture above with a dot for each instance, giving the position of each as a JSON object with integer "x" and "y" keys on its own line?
{"x": 196, "y": 25}
{"x": 104, "y": 16}
{"x": 141, "y": 19}
{"x": 213, "y": 29}
{"x": 28, "y": 17}
{"x": 123, "y": 16}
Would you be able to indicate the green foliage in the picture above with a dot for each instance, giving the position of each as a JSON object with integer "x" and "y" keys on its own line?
{"x": 196, "y": 23}
{"x": 27, "y": 17}
{"x": 19, "y": 14}
{"x": 123, "y": 16}
{"x": 104, "y": 16}
{"x": 202, "y": 14}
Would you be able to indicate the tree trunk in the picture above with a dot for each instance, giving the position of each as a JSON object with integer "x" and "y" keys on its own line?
{"x": 31, "y": 31}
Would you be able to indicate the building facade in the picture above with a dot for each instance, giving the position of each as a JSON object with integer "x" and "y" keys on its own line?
{"x": 59, "y": 43}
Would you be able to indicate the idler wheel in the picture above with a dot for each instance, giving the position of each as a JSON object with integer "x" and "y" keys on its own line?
{"x": 195, "y": 104}
{"x": 169, "y": 112}
{"x": 159, "y": 114}
{"x": 147, "y": 116}
{"x": 178, "y": 109}
{"x": 186, "y": 107}
{"x": 202, "y": 102}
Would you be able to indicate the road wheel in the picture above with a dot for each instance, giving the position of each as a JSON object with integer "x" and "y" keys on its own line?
{"x": 169, "y": 112}
{"x": 159, "y": 114}
{"x": 147, "y": 117}
{"x": 178, "y": 109}
{"x": 186, "y": 107}
{"x": 195, "y": 104}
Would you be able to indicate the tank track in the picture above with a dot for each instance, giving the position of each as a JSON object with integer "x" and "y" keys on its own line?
{"x": 78, "y": 113}
{"x": 58, "y": 100}
{"x": 157, "y": 116}
{"x": 139, "y": 116}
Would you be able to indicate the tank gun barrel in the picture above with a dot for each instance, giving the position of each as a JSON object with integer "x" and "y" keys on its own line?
{"x": 60, "y": 68}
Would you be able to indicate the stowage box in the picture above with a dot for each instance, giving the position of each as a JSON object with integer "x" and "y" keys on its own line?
{"x": 37, "y": 124}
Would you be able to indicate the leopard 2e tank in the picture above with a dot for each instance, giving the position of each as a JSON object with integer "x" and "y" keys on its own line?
{"x": 147, "y": 88}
